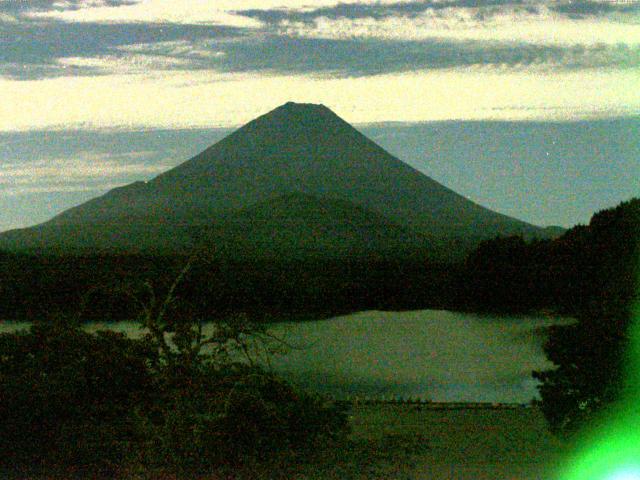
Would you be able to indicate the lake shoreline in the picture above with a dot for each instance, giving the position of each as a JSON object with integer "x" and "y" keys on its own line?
{"x": 435, "y": 355}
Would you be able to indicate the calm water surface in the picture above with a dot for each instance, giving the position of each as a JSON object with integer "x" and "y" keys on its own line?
{"x": 440, "y": 355}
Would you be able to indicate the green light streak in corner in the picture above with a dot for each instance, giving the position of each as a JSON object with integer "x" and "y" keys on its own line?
{"x": 611, "y": 451}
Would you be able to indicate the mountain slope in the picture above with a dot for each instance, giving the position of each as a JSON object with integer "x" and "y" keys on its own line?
{"x": 303, "y": 226}
{"x": 296, "y": 149}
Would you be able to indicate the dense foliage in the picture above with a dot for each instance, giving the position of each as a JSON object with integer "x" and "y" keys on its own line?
{"x": 34, "y": 286}
{"x": 590, "y": 273}
{"x": 572, "y": 274}
{"x": 591, "y": 356}
{"x": 70, "y": 398}
{"x": 174, "y": 400}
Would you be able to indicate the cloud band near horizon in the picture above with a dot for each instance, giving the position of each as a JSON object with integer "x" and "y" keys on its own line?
{"x": 180, "y": 64}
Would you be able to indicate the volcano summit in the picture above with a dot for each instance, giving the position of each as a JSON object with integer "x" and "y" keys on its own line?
{"x": 298, "y": 180}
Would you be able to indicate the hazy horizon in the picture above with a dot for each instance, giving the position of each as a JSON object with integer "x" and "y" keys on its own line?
{"x": 545, "y": 173}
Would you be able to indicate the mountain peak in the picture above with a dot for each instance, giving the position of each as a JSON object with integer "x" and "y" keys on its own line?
{"x": 298, "y": 111}
{"x": 300, "y": 148}
{"x": 303, "y": 107}
{"x": 296, "y": 121}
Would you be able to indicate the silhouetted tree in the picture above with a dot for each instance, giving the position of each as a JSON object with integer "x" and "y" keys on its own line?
{"x": 506, "y": 274}
{"x": 69, "y": 398}
{"x": 217, "y": 405}
{"x": 178, "y": 398}
{"x": 589, "y": 356}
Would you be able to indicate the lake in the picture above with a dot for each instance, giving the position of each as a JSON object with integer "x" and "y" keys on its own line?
{"x": 434, "y": 354}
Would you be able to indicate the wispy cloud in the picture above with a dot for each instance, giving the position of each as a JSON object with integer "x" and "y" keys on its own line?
{"x": 581, "y": 8}
{"x": 151, "y": 11}
{"x": 349, "y": 58}
{"x": 6, "y": 18}
{"x": 58, "y": 188}
{"x": 578, "y": 22}
{"x": 413, "y": 8}
{"x": 513, "y": 24}
{"x": 347, "y": 39}
{"x": 31, "y": 50}
{"x": 127, "y": 64}
{"x": 196, "y": 63}
{"x": 152, "y": 57}
{"x": 84, "y": 172}
{"x": 178, "y": 11}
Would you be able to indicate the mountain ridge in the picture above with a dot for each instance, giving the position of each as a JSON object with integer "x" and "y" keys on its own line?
{"x": 295, "y": 148}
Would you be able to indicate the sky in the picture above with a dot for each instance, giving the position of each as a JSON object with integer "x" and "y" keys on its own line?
{"x": 529, "y": 107}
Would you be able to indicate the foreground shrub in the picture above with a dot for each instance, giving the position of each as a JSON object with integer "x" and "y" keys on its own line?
{"x": 69, "y": 398}
{"x": 217, "y": 406}
{"x": 216, "y": 417}
{"x": 235, "y": 416}
{"x": 174, "y": 400}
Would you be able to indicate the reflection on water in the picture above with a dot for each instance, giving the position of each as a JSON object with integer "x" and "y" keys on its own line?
{"x": 444, "y": 356}
{"x": 440, "y": 355}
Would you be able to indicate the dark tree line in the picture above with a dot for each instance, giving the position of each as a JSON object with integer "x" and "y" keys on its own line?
{"x": 581, "y": 270}
{"x": 503, "y": 275}
{"x": 592, "y": 357}
{"x": 591, "y": 273}
{"x": 109, "y": 287}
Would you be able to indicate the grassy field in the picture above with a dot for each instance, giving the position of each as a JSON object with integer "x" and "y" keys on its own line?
{"x": 461, "y": 444}
{"x": 408, "y": 442}
{"x": 411, "y": 442}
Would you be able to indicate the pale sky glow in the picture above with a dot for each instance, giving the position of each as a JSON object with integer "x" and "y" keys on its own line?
{"x": 201, "y": 99}
{"x": 188, "y": 11}
{"x": 54, "y": 188}
{"x": 547, "y": 63}
{"x": 79, "y": 168}
{"x": 80, "y": 173}
{"x": 69, "y": 66}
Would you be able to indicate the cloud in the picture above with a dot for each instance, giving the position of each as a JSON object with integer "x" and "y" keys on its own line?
{"x": 204, "y": 99}
{"x": 31, "y": 50}
{"x": 515, "y": 25}
{"x": 57, "y": 188}
{"x": 372, "y": 10}
{"x": 152, "y": 11}
{"x": 501, "y": 20}
{"x": 89, "y": 165}
{"x": 34, "y": 184}
{"x": 178, "y": 11}
{"x": 580, "y": 8}
{"x": 86, "y": 171}
{"x": 6, "y": 18}
{"x": 58, "y": 5}
{"x": 351, "y": 39}
{"x": 155, "y": 69}
{"x": 480, "y": 8}
{"x": 178, "y": 48}
{"x": 129, "y": 64}
{"x": 342, "y": 57}
{"x": 153, "y": 57}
